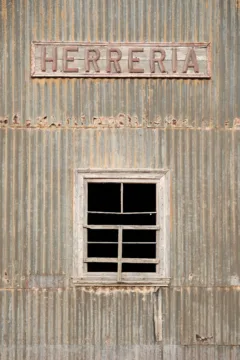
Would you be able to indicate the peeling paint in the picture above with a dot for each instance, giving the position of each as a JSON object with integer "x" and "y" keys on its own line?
{"x": 120, "y": 121}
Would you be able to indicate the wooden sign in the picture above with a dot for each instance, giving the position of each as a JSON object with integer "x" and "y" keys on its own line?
{"x": 120, "y": 60}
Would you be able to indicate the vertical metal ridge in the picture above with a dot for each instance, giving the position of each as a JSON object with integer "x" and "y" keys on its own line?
{"x": 210, "y": 209}
{"x": 235, "y": 189}
{"x": 187, "y": 196}
{"x": 4, "y": 172}
{"x": 202, "y": 194}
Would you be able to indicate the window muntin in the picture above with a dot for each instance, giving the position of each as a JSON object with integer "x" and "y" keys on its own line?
{"x": 110, "y": 230}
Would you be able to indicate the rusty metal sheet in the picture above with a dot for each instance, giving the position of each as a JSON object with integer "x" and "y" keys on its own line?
{"x": 37, "y": 167}
{"x": 27, "y": 100}
{"x": 102, "y": 60}
{"x": 119, "y": 324}
{"x": 51, "y": 126}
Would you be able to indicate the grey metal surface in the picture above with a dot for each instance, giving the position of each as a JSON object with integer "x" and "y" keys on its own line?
{"x": 37, "y": 168}
{"x": 41, "y": 315}
{"x": 214, "y": 21}
{"x": 111, "y": 324}
{"x": 36, "y": 263}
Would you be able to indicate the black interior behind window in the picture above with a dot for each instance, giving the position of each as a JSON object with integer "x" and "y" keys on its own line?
{"x": 139, "y": 197}
{"x": 131, "y": 204}
{"x": 104, "y": 197}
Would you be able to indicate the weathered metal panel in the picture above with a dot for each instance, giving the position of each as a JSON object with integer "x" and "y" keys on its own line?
{"x": 36, "y": 212}
{"x": 212, "y": 101}
{"x": 94, "y": 325}
{"x": 118, "y": 324}
{"x": 201, "y": 316}
{"x": 51, "y": 127}
{"x": 37, "y": 195}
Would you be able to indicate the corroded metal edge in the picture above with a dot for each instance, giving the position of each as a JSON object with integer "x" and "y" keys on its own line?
{"x": 114, "y": 122}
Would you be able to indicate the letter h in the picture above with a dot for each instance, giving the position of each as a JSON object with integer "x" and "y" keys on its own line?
{"x": 45, "y": 59}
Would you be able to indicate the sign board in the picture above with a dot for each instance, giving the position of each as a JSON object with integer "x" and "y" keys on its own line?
{"x": 120, "y": 60}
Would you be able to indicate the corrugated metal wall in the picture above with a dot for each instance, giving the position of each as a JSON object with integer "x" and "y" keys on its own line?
{"x": 37, "y": 197}
{"x": 37, "y": 212}
{"x": 215, "y": 21}
{"x": 41, "y": 315}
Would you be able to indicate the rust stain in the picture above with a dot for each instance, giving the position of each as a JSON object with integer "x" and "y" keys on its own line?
{"x": 3, "y": 120}
{"x": 121, "y": 120}
{"x": 15, "y": 119}
{"x": 4, "y": 10}
{"x": 203, "y": 339}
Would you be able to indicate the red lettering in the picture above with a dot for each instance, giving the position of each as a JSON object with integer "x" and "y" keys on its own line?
{"x": 191, "y": 62}
{"x": 132, "y": 60}
{"x": 45, "y": 59}
{"x": 174, "y": 60}
{"x": 92, "y": 56}
{"x": 159, "y": 61}
{"x": 67, "y": 59}
{"x": 115, "y": 60}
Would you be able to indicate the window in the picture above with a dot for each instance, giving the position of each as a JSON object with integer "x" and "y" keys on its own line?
{"x": 121, "y": 221}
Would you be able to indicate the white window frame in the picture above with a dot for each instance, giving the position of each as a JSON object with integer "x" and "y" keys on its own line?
{"x": 162, "y": 179}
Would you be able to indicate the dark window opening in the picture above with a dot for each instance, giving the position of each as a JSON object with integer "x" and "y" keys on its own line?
{"x": 102, "y": 267}
{"x": 103, "y": 250}
{"x": 138, "y": 251}
{"x": 96, "y": 236}
{"x": 147, "y": 236}
{"x": 121, "y": 219}
{"x": 104, "y": 197}
{"x": 138, "y": 268}
{"x": 139, "y": 197}
{"x": 120, "y": 205}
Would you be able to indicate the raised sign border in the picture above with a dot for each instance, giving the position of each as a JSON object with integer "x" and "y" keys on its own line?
{"x": 206, "y": 45}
